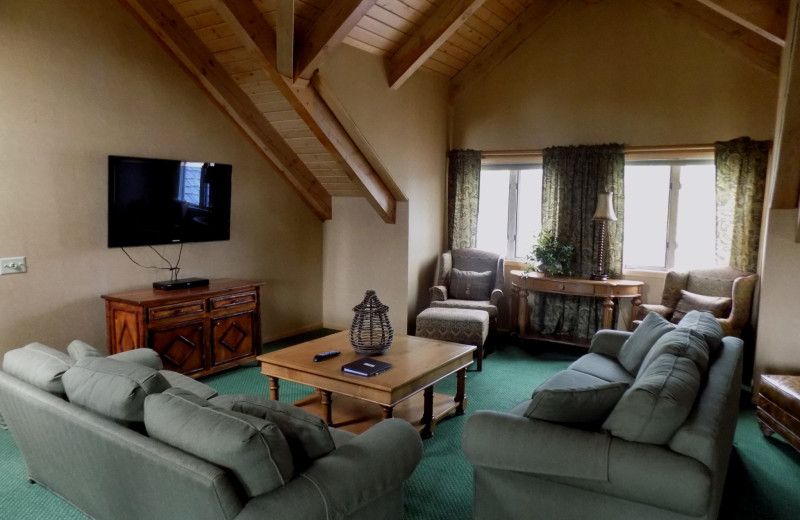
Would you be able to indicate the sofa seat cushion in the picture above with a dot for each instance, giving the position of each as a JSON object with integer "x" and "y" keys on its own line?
{"x": 706, "y": 325}
{"x": 719, "y": 306}
{"x": 178, "y": 380}
{"x": 603, "y": 367}
{"x": 470, "y": 285}
{"x": 112, "y": 388}
{"x": 308, "y": 435}
{"x": 253, "y": 449}
{"x": 636, "y": 347}
{"x": 478, "y": 305}
{"x": 38, "y": 365}
{"x": 570, "y": 396}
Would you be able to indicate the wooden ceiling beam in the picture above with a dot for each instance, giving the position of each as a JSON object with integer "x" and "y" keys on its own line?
{"x": 254, "y": 31}
{"x": 328, "y": 31}
{"x": 449, "y": 16}
{"x": 756, "y": 49}
{"x": 767, "y": 18}
{"x": 284, "y": 31}
{"x": 161, "y": 18}
{"x": 522, "y": 28}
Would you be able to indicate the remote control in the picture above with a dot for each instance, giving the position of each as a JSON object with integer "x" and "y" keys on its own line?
{"x": 326, "y": 355}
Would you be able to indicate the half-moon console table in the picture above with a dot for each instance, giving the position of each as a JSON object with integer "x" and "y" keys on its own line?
{"x": 522, "y": 284}
{"x": 196, "y": 331}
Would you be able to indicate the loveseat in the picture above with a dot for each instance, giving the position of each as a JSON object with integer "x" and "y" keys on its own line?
{"x": 119, "y": 440}
{"x": 641, "y": 427}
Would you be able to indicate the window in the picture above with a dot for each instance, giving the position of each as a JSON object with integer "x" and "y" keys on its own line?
{"x": 191, "y": 172}
{"x": 669, "y": 215}
{"x": 510, "y": 209}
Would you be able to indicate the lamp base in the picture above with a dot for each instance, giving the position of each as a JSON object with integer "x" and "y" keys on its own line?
{"x": 599, "y": 276}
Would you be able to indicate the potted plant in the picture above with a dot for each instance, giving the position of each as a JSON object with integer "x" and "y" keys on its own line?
{"x": 551, "y": 256}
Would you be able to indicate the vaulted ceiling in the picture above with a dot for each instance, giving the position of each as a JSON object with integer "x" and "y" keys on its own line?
{"x": 257, "y": 60}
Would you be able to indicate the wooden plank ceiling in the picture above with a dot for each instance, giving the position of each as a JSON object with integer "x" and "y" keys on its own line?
{"x": 257, "y": 60}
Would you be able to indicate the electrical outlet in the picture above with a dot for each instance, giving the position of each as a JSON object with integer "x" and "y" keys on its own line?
{"x": 13, "y": 265}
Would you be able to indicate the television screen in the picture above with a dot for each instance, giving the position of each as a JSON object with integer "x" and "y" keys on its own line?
{"x": 162, "y": 201}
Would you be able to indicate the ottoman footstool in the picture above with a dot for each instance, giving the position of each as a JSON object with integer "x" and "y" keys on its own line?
{"x": 779, "y": 407}
{"x": 466, "y": 326}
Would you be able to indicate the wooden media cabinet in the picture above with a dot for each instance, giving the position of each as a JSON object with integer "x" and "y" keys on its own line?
{"x": 196, "y": 331}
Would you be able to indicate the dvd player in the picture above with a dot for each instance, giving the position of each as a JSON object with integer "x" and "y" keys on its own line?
{"x": 180, "y": 283}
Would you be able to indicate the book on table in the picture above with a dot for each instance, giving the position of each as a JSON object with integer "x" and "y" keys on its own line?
{"x": 366, "y": 367}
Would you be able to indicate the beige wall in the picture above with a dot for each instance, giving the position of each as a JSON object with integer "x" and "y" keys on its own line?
{"x": 615, "y": 72}
{"x": 80, "y": 81}
{"x": 408, "y": 130}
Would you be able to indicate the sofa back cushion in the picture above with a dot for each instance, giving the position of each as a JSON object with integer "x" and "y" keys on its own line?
{"x": 78, "y": 350}
{"x": 635, "y": 349}
{"x": 706, "y": 325}
{"x": 470, "y": 285}
{"x": 112, "y": 388}
{"x": 253, "y": 449}
{"x": 571, "y": 396}
{"x": 682, "y": 342}
{"x": 38, "y": 365}
{"x": 308, "y": 435}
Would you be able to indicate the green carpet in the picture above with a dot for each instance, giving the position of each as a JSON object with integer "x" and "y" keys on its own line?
{"x": 762, "y": 481}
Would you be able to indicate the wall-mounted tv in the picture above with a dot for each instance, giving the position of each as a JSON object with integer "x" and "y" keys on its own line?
{"x": 163, "y": 201}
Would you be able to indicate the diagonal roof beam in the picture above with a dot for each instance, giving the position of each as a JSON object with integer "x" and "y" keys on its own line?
{"x": 754, "y": 48}
{"x": 254, "y": 31}
{"x": 766, "y": 18}
{"x": 328, "y": 31}
{"x": 526, "y": 24}
{"x": 449, "y": 16}
{"x": 284, "y": 31}
{"x": 174, "y": 33}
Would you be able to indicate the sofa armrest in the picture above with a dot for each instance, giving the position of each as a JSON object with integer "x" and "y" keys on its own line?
{"x": 438, "y": 293}
{"x": 608, "y": 342}
{"x": 496, "y": 296}
{"x": 515, "y": 443}
{"x": 373, "y": 464}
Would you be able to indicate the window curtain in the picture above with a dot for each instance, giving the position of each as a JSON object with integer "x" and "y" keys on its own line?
{"x": 573, "y": 177}
{"x": 463, "y": 188}
{"x": 741, "y": 167}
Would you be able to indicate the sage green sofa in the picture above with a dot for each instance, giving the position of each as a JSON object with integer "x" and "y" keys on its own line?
{"x": 96, "y": 452}
{"x": 662, "y": 461}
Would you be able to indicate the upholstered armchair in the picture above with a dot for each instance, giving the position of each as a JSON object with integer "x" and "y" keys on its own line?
{"x": 469, "y": 279}
{"x": 725, "y": 292}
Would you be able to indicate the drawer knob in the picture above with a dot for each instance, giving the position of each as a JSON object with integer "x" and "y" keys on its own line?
{"x": 562, "y": 286}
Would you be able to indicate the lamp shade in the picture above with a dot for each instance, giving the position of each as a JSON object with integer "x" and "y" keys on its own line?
{"x": 605, "y": 207}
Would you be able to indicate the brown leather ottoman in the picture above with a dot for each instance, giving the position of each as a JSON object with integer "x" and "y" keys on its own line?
{"x": 779, "y": 407}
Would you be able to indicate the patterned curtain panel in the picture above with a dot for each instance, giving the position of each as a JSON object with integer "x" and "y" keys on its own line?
{"x": 463, "y": 188}
{"x": 741, "y": 182}
{"x": 573, "y": 177}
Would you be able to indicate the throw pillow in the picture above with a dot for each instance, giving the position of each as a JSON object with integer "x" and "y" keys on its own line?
{"x": 38, "y": 365}
{"x": 78, "y": 350}
{"x": 636, "y": 347}
{"x": 686, "y": 343}
{"x": 658, "y": 402}
{"x": 178, "y": 380}
{"x": 112, "y": 388}
{"x": 707, "y": 325}
{"x": 307, "y": 434}
{"x": 719, "y": 306}
{"x": 470, "y": 285}
{"x": 574, "y": 397}
{"x": 253, "y": 449}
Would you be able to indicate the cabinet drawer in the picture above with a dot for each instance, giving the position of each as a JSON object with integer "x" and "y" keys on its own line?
{"x": 562, "y": 287}
{"x": 175, "y": 310}
{"x": 232, "y": 300}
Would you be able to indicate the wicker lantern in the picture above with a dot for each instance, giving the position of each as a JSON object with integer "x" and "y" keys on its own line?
{"x": 371, "y": 333}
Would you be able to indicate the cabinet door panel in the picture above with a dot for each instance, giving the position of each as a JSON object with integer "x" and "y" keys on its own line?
{"x": 232, "y": 337}
{"x": 180, "y": 347}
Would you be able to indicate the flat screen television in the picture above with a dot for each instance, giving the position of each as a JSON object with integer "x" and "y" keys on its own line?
{"x": 163, "y": 201}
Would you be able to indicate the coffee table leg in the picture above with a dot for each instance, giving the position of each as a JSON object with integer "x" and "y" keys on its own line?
{"x": 427, "y": 413}
{"x": 461, "y": 385}
{"x": 325, "y": 401}
{"x": 274, "y": 388}
{"x": 388, "y": 412}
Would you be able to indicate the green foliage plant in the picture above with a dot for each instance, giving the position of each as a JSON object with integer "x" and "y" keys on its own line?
{"x": 550, "y": 256}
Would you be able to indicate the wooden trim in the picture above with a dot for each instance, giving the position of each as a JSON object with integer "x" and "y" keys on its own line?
{"x": 450, "y": 15}
{"x": 332, "y": 26}
{"x": 160, "y": 17}
{"x": 245, "y": 21}
{"x": 522, "y": 28}
{"x": 759, "y": 51}
{"x": 284, "y": 38}
{"x": 672, "y": 151}
{"x": 767, "y": 18}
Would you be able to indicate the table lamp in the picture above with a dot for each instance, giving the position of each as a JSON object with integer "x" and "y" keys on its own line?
{"x": 604, "y": 213}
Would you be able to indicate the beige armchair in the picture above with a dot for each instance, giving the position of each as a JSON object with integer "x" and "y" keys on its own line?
{"x": 721, "y": 282}
{"x": 469, "y": 279}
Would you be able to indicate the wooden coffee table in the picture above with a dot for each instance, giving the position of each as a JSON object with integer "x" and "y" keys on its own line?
{"x": 355, "y": 403}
